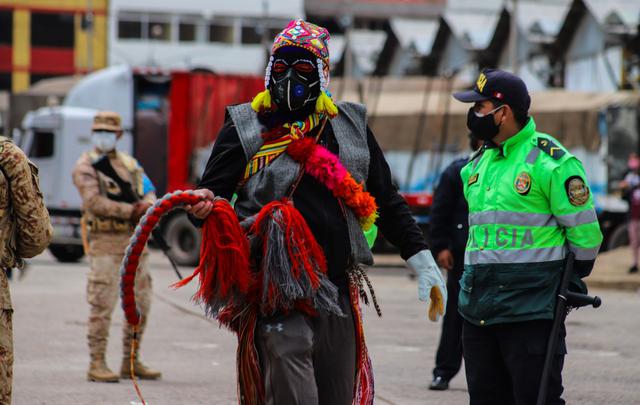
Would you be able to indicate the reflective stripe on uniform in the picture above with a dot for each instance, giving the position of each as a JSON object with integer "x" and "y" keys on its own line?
{"x": 511, "y": 218}
{"x": 577, "y": 219}
{"x": 584, "y": 253}
{"x": 476, "y": 161}
{"x": 473, "y": 257}
{"x": 532, "y": 219}
{"x": 533, "y": 155}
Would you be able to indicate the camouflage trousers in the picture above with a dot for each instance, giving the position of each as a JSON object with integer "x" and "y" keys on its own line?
{"x": 6, "y": 355}
{"x": 103, "y": 290}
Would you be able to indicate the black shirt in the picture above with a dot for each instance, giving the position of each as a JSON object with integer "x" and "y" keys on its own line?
{"x": 320, "y": 209}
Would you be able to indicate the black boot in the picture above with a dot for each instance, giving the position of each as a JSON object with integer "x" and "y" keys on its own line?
{"x": 633, "y": 269}
{"x": 439, "y": 384}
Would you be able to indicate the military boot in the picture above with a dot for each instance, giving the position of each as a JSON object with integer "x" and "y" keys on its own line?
{"x": 140, "y": 370}
{"x": 99, "y": 372}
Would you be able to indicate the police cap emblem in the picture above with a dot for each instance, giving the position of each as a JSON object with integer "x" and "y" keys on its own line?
{"x": 577, "y": 191}
{"x": 523, "y": 183}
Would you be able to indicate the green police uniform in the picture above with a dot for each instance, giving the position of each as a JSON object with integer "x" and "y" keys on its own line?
{"x": 528, "y": 205}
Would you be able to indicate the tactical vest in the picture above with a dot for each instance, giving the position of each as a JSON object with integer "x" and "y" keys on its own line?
{"x": 274, "y": 182}
{"x": 110, "y": 189}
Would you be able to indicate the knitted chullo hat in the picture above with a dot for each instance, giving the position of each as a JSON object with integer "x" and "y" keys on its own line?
{"x": 313, "y": 38}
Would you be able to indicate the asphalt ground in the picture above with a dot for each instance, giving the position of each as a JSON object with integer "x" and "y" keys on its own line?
{"x": 198, "y": 358}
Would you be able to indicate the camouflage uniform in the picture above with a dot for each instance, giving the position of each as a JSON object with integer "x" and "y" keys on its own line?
{"x": 110, "y": 227}
{"x": 25, "y": 231}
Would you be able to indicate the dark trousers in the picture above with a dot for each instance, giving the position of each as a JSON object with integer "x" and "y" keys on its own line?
{"x": 449, "y": 354}
{"x": 504, "y": 363}
{"x": 308, "y": 360}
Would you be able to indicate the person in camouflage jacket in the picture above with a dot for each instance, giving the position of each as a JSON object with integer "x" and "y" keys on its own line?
{"x": 25, "y": 231}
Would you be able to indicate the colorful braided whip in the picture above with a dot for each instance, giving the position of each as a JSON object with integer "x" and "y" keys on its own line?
{"x": 129, "y": 265}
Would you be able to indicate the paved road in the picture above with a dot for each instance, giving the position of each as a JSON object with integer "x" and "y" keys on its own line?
{"x": 198, "y": 358}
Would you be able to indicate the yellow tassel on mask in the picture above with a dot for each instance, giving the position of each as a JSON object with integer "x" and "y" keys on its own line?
{"x": 262, "y": 101}
{"x": 325, "y": 105}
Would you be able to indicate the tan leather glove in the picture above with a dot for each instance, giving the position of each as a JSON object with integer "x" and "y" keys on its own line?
{"x": 431, "y": 284}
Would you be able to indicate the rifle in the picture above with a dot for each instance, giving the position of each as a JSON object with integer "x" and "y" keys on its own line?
{"x": 104, "y": 166}
{"x": 566, "y": 301}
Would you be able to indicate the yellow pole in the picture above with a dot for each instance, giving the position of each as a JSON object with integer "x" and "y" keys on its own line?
{"x": 21, "y": 50}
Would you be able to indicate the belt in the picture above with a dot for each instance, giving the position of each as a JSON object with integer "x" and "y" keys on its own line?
{"x": 110, "y": 225}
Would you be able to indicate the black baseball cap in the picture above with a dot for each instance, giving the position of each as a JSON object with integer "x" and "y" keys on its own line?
{"x": 498, "y": 85}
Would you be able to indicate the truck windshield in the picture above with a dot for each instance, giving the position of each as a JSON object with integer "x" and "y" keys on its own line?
{"x": 42, "y": 145}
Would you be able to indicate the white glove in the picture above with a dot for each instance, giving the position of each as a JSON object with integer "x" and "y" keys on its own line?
{"x": 431, "y": 285}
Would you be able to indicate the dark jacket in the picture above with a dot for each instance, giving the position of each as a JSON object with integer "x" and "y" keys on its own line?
{"x": 449, "y": 224}
{"x": 318, "y": 206}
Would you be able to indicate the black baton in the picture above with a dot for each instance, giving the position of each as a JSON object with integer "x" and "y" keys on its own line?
{"x": 566, "y": 299}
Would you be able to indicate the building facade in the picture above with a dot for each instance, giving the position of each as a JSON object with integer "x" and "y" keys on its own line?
{"x": 222, "y": 36}
{"x": 43, "y": 38}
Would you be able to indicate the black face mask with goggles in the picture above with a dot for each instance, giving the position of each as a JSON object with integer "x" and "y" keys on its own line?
{"x": 295, "y": 84}
{"x": 483, "y": 126}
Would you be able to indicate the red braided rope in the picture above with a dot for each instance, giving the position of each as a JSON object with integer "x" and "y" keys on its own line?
{"x": 138, "y": 241}
{"x": 131, "y": 260}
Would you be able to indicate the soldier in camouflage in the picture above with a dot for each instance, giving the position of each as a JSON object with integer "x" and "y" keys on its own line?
{"x": 109, "y": 221}
{"x": 25, "y": 231}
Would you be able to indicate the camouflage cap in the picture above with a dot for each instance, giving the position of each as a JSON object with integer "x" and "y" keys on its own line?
{"x": 107, "y": 121}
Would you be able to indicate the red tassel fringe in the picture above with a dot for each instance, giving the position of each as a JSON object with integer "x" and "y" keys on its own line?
{"x": 224, "y": 259}
{"x": 305, "y": 253}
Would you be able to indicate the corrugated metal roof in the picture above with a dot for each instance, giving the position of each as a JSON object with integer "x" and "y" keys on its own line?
{"x": 628, "y": 11}
{"x": 548, "y": 17}
{"x": 336, "y": 49}
{"x": 415, "y": 34}
{"x": 366, "y": 47}
{"x": 474, "y": 29}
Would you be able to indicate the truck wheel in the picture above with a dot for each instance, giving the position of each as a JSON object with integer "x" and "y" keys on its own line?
{"x": 184, "y": 240}
{"x": 67, "y": 253}
{"x": 619, "y": 237}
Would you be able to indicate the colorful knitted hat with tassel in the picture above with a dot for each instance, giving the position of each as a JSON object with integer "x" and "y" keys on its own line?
{"x": 313, "y": 38}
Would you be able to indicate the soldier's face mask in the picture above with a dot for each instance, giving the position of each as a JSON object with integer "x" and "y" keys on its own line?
{"x": 483, "y": 125}
{"x": 105, "y": 141}
{"x": 295, "y": 83}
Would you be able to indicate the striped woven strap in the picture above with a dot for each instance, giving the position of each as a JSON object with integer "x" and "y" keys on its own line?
{"x": 274, "y": 147}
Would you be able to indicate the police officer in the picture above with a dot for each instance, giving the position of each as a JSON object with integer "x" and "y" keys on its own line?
{"x": 529, "y": 204}
{"x": 110, "y": 220}
{"x": 25, "y": 231}
{"x": 448, "y": 231}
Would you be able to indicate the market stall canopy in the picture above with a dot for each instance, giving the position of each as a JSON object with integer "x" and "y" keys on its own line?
{"x": 396, "y": 113}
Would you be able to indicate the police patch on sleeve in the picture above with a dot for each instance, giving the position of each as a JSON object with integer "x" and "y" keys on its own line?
{"x": 473, "y": 179}
{"x": 523, "y": 183}
{"x": 577, "y": 191}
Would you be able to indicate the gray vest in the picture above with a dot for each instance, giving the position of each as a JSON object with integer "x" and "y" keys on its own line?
{"x": 273, "y": 182}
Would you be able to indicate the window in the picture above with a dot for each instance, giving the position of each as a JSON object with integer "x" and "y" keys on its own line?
{"x": 221, "y": 32}
{"x": 42, "y": 145}
{"x": 52, "y": 30}
{"x": 250, "y": 34}
{"x": 5, "y": 81}
{"x": 6, "y": 27}
{"x": 273, "y": 32}
{"x": 159, "y": 30}
{"x": 186, "y": 32}
{"x": 129, "y": 29}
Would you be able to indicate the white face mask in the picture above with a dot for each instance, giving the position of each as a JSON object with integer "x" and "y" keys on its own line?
{"x": 104, "y": 140}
